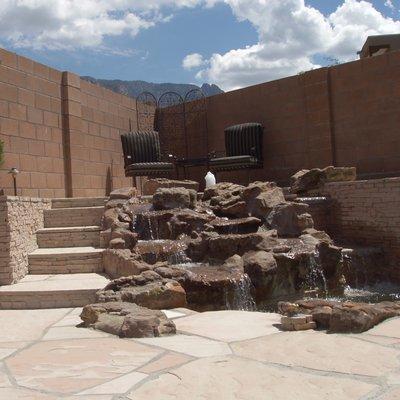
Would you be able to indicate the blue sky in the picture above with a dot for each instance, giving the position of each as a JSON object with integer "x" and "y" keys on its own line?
{"x": 232, "y": 43}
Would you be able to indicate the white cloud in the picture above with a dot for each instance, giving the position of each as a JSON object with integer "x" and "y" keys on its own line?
{"x": 71, "y": 24}
{"x": 389, "y": 3}
{"x": 290, "y": 35}
{"x": 192, "y": 61}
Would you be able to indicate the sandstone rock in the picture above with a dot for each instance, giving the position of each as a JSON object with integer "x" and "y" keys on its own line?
{"x": 110, "y": 217}
{"x": 154, "y": 251}
{"x": 214, "y": 247}
{"x": 130, "y": 238}
{"x": 236, "y": 226}
{"x": 170, "y": 224}
{"x": 150, "y": 186}
{"x": 261, "y": 267}
{"x": 223, "y": 190}
{"x": 123, "y": 193}
{"x": 340, "y": 174}
{"x": 305, "y": 180}
{"x": 127, "y": 320}
{"x": 346, "y": 317}
{"x": 290, "y": 219}
{"x": 117, "y": 243}
{"x": 171, "y": 198}
{"x": 148, "y": 289}
{"x": 236, "y": 209}
{"x": 119, "y": 263}
{"x": 211, "y": 287}
{"x": 262, "y": 197}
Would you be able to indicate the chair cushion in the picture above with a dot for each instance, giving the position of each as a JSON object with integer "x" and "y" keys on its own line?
{"x": 236, "y": 162}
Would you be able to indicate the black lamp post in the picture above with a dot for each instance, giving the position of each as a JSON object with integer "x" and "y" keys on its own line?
{"x": 14, "y": 172}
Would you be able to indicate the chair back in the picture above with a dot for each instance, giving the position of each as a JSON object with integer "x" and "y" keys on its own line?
{"x": 141, "y": 147}
{"x": 244, "y": 139}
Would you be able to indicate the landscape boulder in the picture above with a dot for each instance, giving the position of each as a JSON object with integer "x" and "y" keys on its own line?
{"x": 127, "y": 320}
{"x": 261, "y": 198}
{"x": 148, "y": 289}
{"x": 172, "y": 198}
{"x": 343, "y": 317}
{"x": 151, "y": 185}
{"x": 290, "y": 219}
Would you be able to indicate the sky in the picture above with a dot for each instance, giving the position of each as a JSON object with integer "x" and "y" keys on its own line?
{"x": 232, "y": 43}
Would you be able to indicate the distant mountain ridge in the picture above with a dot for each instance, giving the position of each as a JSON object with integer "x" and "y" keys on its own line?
{"x": 134, "y": 88}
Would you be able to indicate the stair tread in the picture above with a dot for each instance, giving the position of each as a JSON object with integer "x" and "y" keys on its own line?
{"x": 57, "y": 283}
{"x": 86, "y": 228}
{"x": 65, "y": 250}
{"x": 51, "y": 210}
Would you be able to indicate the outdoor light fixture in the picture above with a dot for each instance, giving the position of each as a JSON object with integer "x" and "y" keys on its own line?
{"x": 14, "y": 172}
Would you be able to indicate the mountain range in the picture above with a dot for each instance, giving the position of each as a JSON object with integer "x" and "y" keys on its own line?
{"x": 134, "y": 88}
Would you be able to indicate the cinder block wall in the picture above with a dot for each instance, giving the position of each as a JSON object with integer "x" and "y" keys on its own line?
{"x": 346, "y": 115}
{"x": 367, "y": 213}
{"x": 60, "y": 131}
{"x": 20, "y": 218}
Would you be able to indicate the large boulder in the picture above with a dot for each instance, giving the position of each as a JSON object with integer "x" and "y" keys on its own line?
{"x": 261, "y": 267}
{"x": 261, "y": 198}
{"x": 148, "y": 289}
{"x": 171, "y": 198}
{"x": 346, "y": 317}
{"x": 127, "y": 320}
{"x": 290, "y": 219}
{"x": 170, "y": 224}
{"x": 223, "y": 191}
{"x": 118, "y": 263}
{"x": 216, "y": 248}
{"x": 309, "y": 180}
{"x": 150, "y": 186}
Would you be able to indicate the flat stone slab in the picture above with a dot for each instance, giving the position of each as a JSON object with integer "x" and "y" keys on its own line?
{"x": 390, "y": 328}
{"x": 191, "y": 345}
{"x": 65, "y": 251}
{"x": 44, "y": 356}
{"x": 317, "y": 350}
{"x": 17, "y": 325}
{"x": 59, "y": 282}
{"x": 231, "y": 378}
{"x": 230, "y": 326}
{"x": 68, "y": 366}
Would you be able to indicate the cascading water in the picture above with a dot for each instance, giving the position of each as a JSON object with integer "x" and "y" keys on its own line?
{"x": 315, "y": 279}
{"x": 242, "y": 298}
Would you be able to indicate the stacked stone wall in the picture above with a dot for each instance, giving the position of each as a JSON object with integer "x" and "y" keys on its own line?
{"x": 20, "y": 218}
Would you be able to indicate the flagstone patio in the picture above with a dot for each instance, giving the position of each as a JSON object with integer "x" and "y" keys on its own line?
{"x": 216, "y": 355}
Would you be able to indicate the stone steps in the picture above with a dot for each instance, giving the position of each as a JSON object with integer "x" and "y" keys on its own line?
{"x": 68, "y": 217}
{"x": 75, "y": 236}
{"x": 76, "y": 202}
{"x": 52, "y": 291}
{"x": 70, "y": 260}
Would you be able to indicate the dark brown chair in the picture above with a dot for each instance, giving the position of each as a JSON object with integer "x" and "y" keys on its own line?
{"x": 243, "y": 148}
{"x": 142, "y": 155}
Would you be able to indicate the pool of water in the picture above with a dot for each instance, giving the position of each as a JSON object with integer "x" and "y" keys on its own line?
{"x": 371, "y": 294}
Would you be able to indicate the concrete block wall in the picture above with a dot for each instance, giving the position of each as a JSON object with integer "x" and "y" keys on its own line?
{"x": 345, "y": 115}
{"x": 20, "y": 218}
{"x": 31, "y": 126}
{"x": 61, "y": 132}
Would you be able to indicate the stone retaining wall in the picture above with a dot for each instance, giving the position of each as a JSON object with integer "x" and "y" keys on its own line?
{"x": 20, "y": 218}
